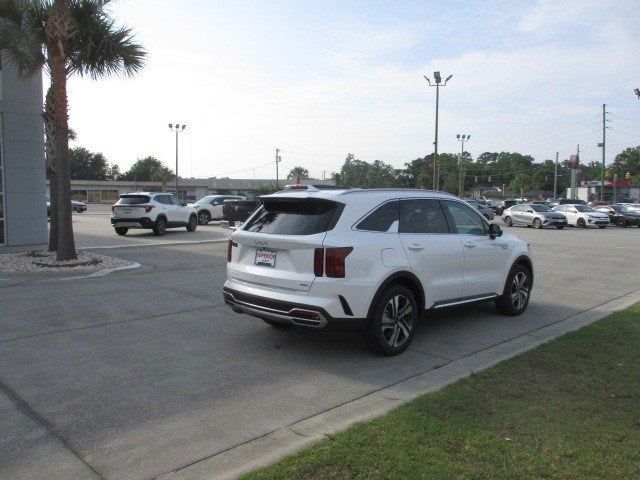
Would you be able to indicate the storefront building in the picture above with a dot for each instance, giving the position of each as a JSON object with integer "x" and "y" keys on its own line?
{"x": 22, "y": 170}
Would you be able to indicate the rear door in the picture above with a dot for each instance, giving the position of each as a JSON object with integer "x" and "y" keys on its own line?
{"x": 484, "y": 258}
{"x": 434, "y": 253}
{"x": 276, "y": 246}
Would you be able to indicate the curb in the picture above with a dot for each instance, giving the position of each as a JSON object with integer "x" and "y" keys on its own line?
{"x": 268, "y": 448}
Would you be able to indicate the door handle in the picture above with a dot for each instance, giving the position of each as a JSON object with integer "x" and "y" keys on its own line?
{"x": 469, "y": 244}
{"x": 415, "y": 246}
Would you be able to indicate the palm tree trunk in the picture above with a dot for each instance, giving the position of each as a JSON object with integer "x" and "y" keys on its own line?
{"x": 51, "y": 171}
{"x": 58, "y": 33}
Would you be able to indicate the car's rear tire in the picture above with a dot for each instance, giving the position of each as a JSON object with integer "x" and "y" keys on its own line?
{"x": 623, "y": 223}
{"x": 602, "y": 226}
{"x": 508, "y": 222}
{"x": 516, "y": 293}
{"x": 121, "y": 230}
{"x": 204, "y": 217}
{"x": 193, "y": 224}
{"x": 581, "y": 223}
{"x": 537, "y": 223}
{"x": 560, "y": 227}
{"x": 160, "y": 227}
{"x": 393, "y": 322}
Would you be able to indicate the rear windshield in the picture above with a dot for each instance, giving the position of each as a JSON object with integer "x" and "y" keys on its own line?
{"x": 540, "y": 208}
{"x": 132, "y": 200}
{"x": 295, "y": 216}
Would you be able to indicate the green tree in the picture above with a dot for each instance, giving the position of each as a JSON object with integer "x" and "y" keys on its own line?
{"x": 627, "y": 161}
{"x": 113, "y": 172}
{"x": 66, "y": 37}
{"x": 147, "y": 169}
{"x": 86, "y": 165}
{"x": 298, "y": 174}
{"x": 163, "y": 175}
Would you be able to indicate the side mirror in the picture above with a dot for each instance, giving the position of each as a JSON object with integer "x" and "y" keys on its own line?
{"x": 184, "y": 204}
{"x": 494, "y": 230}
{"x": 529, "y": 211}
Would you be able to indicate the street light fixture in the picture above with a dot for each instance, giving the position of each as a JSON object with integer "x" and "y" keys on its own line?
{"x": 462, "y": 139}
{"x": 438, "y": 83}
{"x": 177, "y": 128}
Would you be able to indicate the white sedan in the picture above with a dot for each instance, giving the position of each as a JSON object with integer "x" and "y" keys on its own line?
{"x": 583, "y": 216}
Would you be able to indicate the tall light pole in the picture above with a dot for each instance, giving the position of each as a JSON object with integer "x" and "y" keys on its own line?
{"x": 462, "y": 139}
{"x": 555, "y": 177}
{"x": 278, "y": 160}
{"x": 437, "y": 83}
{"x": 603, "y": 145}
{"x": 177, "y": 128}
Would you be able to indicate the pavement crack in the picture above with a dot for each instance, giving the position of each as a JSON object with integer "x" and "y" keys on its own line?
{"x": 30, "y": 412}
{"x": 294, "y": 431}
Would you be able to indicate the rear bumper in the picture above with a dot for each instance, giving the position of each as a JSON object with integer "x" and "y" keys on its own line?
{"x": 141, "y": 222}
{"x": 287, "y": 312}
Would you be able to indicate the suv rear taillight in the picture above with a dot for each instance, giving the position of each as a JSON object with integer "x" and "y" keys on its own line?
{"x": 334, "y": 261}
{"x": 113, "y": 208}
{"x": 148, "y": 208}
{"x": 230, "y": 249}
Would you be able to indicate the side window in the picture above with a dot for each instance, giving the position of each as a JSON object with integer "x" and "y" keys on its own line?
{"x": 176, "y": 201}
{"x": 467, "y": 221}
{"x": 164, "y": 199}
{"x": 381, "y": 219}
{"x": 422, "y": 216}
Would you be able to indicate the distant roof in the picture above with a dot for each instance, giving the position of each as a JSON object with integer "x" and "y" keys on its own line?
{"x": 210, "y": 183}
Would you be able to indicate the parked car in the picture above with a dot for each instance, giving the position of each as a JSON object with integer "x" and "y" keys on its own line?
{"x": 238, "y": 210}
{"x": 566, "y": 201}
{"x": 483, "y": 208}
{"x": 76, "y": 206}
{"x": 152, "y": 210}
{"x": 371, "y": 261}
{"x": 533, "y": 215}
{"x": 509, "y": 202}
{"x": 620, "y": 215}
{"x": 583, "y": 216}
{"x": 210, "y": 207}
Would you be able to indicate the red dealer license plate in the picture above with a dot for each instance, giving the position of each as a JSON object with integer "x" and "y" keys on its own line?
{"x": 266, "y": 257}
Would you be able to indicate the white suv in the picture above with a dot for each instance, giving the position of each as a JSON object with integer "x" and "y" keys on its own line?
{"x": 371, "y": 260}
{"x": 155, "y": 211}
{"x": 210, "y": 207}
{"x": 583, "y": 216}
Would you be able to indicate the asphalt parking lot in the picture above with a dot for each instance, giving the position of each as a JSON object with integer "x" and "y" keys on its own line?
{"x": 145, "y": 373}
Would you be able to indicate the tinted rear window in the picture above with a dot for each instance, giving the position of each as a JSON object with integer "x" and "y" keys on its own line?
{"x": 133, "y": 199}
{"x": 295, "y": 216}
{"x": 381, "y": 219}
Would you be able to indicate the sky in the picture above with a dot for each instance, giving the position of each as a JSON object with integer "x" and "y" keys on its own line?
{"x": 320, "y": 79}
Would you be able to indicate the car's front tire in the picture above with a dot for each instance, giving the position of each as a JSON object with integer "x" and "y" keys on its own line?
{"x": 516, "y": 293}
{"x": 204, "y": 217}
{"x": 560, "y": 227}
{"x": 508, "y": 222}
{"x": 537, "y": 223}
{"x": 393, "y": 322}
{"x": 160, "y": 227}
{"x": 193, "y": 224}
{"x": 623, "y": 223}
{"x": 121, "y": 230}
{"x": 581, "y": 223}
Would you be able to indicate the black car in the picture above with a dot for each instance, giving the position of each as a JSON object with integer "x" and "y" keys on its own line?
{"x": 238, "y": 210}
{"x": 621, "y": 215}
{"x": 508, "y": 203}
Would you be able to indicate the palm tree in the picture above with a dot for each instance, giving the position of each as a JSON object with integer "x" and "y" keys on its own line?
{"x": 163, "y": 176}
{"x": 298, "y": 173}
{"x": 66, "y": 37}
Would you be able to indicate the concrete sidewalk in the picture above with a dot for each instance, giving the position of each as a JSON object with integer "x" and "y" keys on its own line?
{"x": 145, "y": 373}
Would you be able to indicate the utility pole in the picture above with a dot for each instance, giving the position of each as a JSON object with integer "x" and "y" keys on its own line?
{"x": 177, "y": 128}
{"x": 462, "y": 139}
{"x": 278, "y": 160}
{"x": 555, "y": 178}
{"x": 615, "y": 188}
{"x": 437, "y": 84}
{"x": 604, "y": 145}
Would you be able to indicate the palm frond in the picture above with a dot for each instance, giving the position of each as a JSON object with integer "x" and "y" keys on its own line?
{"x": 22, "y": 34}
{"x": 100, "y": 47}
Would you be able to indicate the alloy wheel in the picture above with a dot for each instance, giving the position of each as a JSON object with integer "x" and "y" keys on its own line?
{"x": 397, "y": 321}
{"x": 520, "y": 290}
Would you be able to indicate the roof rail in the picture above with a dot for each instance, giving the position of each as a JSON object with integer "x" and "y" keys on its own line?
{"x": 399, "y": 189}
